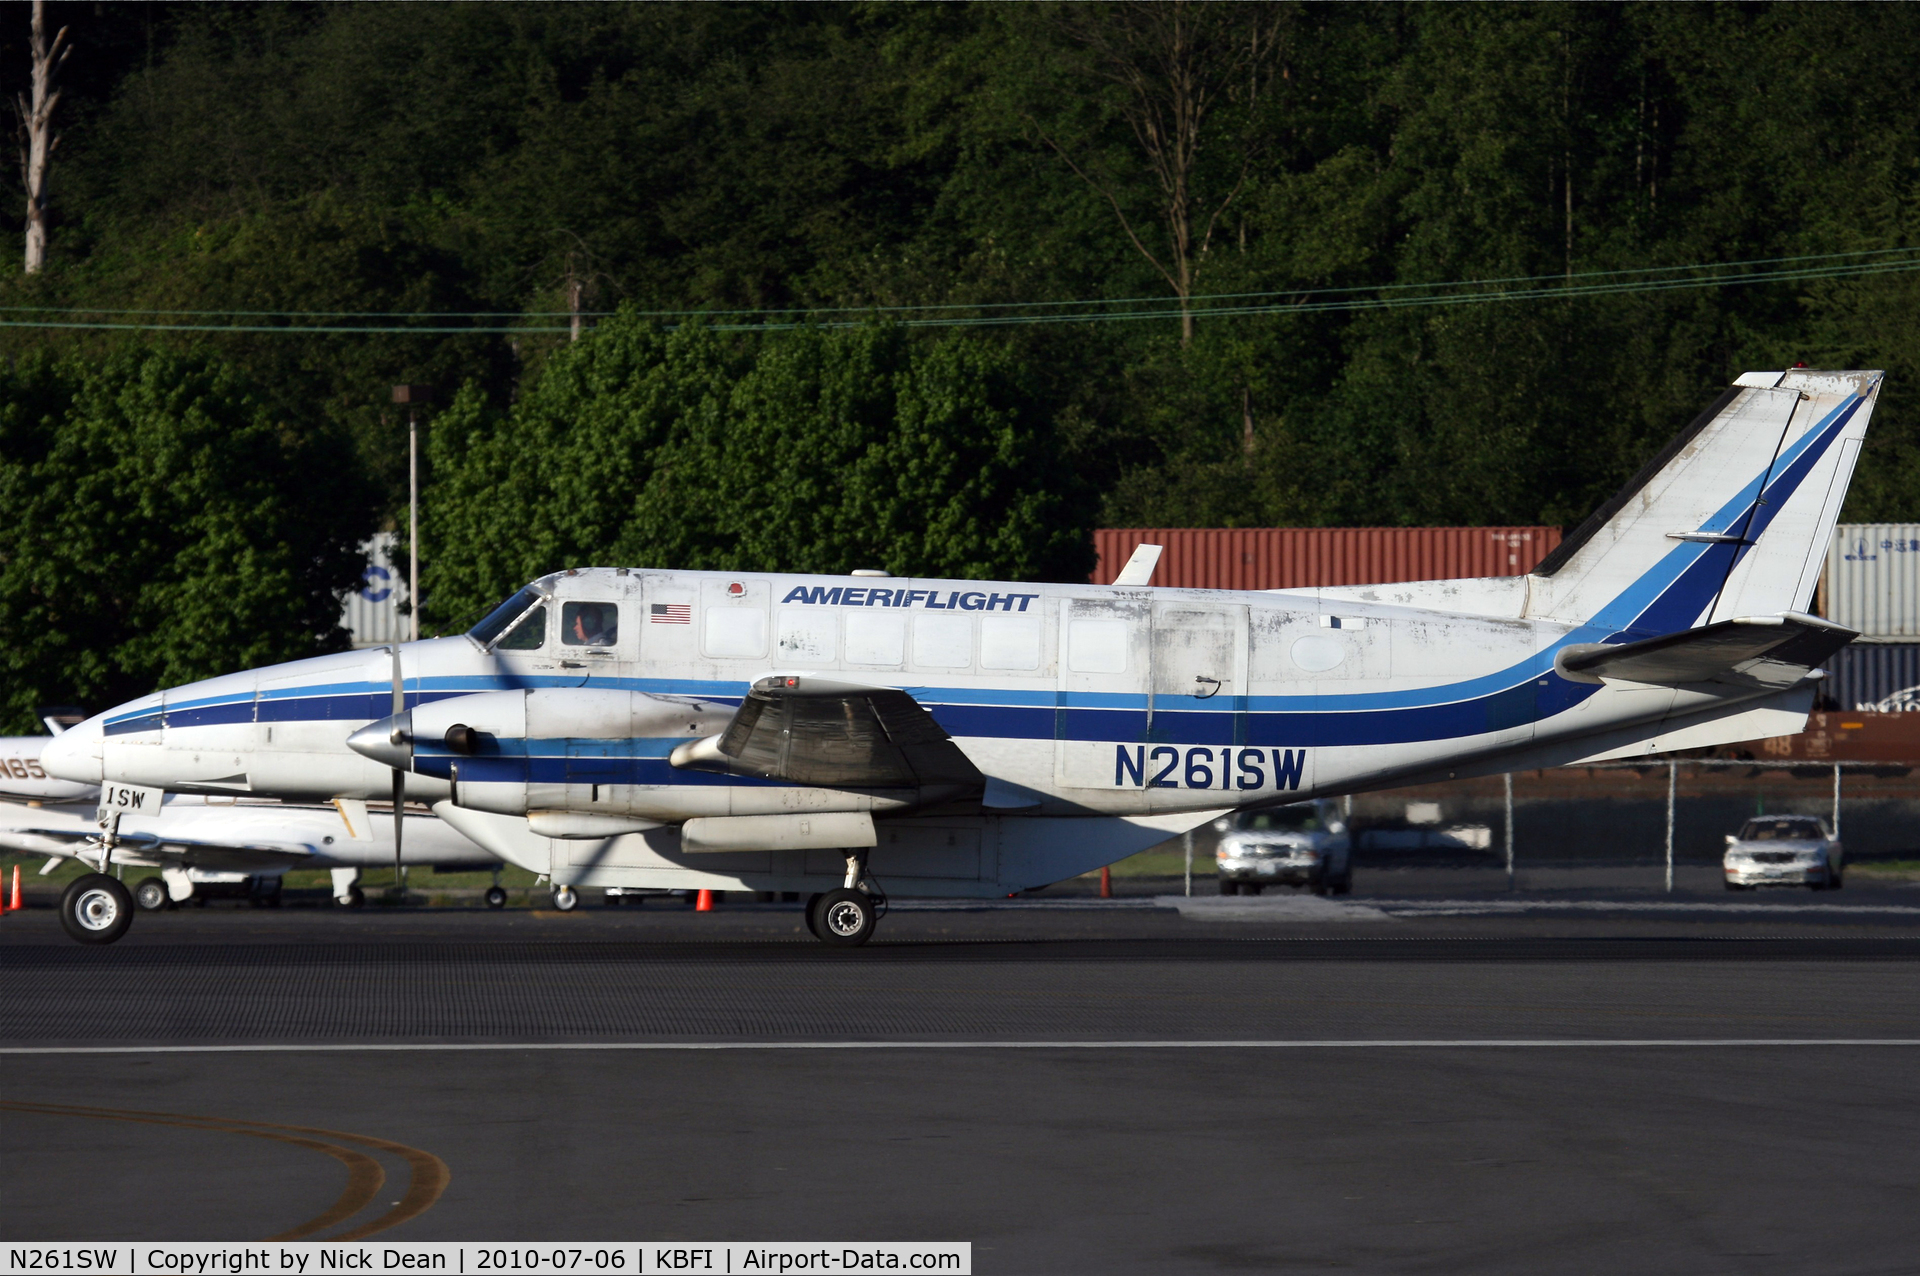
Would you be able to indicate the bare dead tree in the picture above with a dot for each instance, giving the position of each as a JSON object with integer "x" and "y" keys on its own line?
{"x": 579, "y": 280}
{"x": 35, "y": 130}
{"x": 1175, "y": 62}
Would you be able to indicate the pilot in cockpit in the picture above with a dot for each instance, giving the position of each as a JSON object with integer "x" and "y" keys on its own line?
{"x": 591, "y": 625}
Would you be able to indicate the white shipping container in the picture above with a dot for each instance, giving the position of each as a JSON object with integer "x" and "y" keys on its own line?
{"x": 372, "y": 612}
{"x": 1873, "y": 580}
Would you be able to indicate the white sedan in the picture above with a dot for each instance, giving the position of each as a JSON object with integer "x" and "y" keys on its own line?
{"x": 1783, "y": 850}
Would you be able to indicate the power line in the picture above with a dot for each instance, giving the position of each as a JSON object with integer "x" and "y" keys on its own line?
{"x": 1559, "y": 280}
{"x": 1562, "y": 287}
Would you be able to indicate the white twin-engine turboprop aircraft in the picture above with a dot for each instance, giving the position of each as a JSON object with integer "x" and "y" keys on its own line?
{"x": 751, "y": 730}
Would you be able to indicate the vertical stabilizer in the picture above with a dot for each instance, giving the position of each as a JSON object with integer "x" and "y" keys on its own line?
{"x": 1731, "y": 519}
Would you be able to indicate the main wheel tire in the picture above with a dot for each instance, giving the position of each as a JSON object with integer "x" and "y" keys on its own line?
{"x": 846, "y": 918}
{"x": 151, "y": 894}
{"x": 96, "y": 909}
{"x": 1344, "y": 884}
{"x": 813, "y": 914}
{"x": 1252, "y": 888}
{"x": 496, "y": 897}
{"x": 356, "y": 896}
{"x": 1229, "y": 887}
{"x": 566, "y": 899}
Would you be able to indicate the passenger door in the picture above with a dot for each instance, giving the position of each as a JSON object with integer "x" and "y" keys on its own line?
{"x": 1197, "y": 710}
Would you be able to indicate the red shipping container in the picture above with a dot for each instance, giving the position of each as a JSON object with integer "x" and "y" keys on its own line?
{"x": 1302, "y": 557}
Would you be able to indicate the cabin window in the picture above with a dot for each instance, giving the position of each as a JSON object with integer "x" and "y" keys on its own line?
{"x": 589, "y": 624}
{"x": 806, "y": 636}
{"x": 737, "y": 632}
{"x": 529, "y": 635}
{"x": 943, "y": 642}
{"x": 1317, "y": 653}
{"x": 875, "y": 638}
{"x": 496, "y": 621}
{"x": 1097, "y": 646}
{"x": 1009, "y": 642}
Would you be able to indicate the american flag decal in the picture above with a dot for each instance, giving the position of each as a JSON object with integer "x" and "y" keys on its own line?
{"x": 671, "y": 613}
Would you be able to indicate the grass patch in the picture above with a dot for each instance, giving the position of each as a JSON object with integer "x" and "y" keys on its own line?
{"x": 1885, "y": 870}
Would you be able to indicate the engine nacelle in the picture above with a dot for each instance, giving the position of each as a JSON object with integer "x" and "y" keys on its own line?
{"x": 582, "y": 762}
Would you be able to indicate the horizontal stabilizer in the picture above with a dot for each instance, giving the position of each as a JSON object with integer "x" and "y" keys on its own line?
{"x": 1755, "y": 653}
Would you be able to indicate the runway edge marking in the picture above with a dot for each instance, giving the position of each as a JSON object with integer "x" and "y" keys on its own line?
{"x": 1436, "y": 1043}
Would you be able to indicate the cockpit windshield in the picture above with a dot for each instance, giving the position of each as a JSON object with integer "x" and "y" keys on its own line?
{"x": 501, "y": 617}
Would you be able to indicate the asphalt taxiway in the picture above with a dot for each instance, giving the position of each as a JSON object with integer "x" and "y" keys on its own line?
{"x": 1385, "y": 1083}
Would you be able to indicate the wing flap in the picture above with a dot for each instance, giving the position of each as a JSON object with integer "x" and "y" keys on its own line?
{"x": 1753, "y": 653}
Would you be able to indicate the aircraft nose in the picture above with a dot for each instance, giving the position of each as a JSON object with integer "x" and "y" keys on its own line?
{"x": 75, "y": 754}
{"x": 388, "y": 741}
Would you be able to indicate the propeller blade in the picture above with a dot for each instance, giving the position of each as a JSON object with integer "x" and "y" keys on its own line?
{"x": 399, "y": 820}
{"x": 399, "y": 777}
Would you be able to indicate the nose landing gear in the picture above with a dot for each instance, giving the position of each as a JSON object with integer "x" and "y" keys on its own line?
{"x": 96, "y": 909}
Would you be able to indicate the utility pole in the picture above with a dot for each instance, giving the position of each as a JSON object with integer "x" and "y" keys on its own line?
{"x": 1508, "y": 777}
{"x": 1673, "y": 792}
{"x": 37, "y": 138}
{"x": 413, "y": 396}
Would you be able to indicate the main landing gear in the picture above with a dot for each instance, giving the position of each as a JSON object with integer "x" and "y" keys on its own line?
{"x": 96, "y": 909}
{"x": 845, "y": 916}
{"x": 151, "y": 894}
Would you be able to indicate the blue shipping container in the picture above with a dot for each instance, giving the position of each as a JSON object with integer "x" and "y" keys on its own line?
{"x": 1878, "y": 677}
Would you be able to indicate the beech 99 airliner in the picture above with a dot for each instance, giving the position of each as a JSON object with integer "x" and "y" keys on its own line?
{"x": 773, "y": 732}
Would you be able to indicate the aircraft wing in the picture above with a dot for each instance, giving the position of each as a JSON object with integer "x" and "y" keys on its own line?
{"x": 836, "y": 735}
{"x": 1753, "y": 653}
{"x": 228, "y": 857}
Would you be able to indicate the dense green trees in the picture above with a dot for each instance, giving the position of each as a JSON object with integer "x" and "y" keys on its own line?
{"x": 1187, "y": 256}
{"x": 809, "y": 450}
{"x": 164, "y": 525}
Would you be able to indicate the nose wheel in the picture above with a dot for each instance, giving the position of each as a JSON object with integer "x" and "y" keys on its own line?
{"x": 565, "y": 898}
{"x": 496, "y": 897}
{"x": 96, "y": 909}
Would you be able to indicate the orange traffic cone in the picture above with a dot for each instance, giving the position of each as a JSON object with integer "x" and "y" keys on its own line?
{"x": 14, "y": 906}
{"x": 704, "y": 902}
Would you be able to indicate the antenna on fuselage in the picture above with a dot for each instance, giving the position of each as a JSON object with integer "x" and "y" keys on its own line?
{"x": 1139, "y": 568}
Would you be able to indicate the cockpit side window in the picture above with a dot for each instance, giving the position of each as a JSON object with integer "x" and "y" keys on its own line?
{"x": 590, "y": 624}
{"x": 497, "y": 620}
{"x": 529, "y": 635}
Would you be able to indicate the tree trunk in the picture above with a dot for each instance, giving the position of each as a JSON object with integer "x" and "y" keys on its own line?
{"x": 37, "y": 138}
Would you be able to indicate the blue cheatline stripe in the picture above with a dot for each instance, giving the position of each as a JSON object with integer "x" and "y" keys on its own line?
{"x": 1669, "y": 596}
